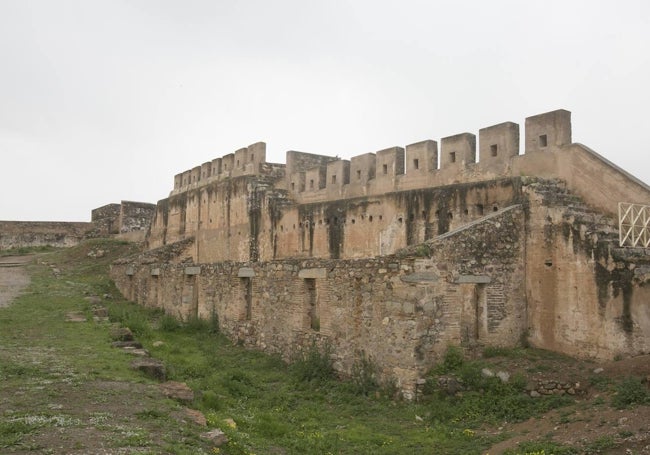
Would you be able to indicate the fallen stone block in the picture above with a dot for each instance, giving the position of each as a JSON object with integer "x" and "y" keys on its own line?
{"x": 195, "y": 416}
{"x": 153, "y": 368}
{"x": 122, "y": 334}
{"x": 216, "y": 437}
{"x": 127, "y": 344}
{"x": 177, "y": 391}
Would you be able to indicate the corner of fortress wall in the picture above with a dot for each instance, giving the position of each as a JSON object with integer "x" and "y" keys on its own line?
{"x": 431, "y": 244}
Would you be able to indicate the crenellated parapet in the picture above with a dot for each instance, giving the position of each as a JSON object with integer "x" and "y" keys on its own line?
{"x": 423, "y": 164}
{"x": 249, "y": 160}
{"x": 311, "y": 177}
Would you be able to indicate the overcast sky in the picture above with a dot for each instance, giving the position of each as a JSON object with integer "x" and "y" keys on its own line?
{"x": 102, "y": 101}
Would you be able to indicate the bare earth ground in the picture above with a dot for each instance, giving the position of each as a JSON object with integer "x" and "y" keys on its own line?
{"x": 13, "y": 278}
{"x": 592, "y": 418}
{"x": 97, "y": 417}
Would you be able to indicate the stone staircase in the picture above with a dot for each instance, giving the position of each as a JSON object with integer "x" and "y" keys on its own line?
{"x": 598, "y": 229}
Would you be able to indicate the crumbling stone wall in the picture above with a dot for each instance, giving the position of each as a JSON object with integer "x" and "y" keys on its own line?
{"x": 135, "y": 216}
{"x": 106, "y": 219}
{"x": 402, "y": 311}
{"x": 16, "y": 234}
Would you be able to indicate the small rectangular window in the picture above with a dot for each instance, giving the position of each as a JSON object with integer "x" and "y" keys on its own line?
{"x": 385, "y": 169}
{"x": 334, "y": 179}
{"x": 493, "y": 150}
{"x": 311, "y": 184}
{"x": 543, "y": 141}
{"x": 416, "y": 164}
{"x": 293, "y": 186}
{"x": 452, "y": 157}
{"x": 358, "y": 175}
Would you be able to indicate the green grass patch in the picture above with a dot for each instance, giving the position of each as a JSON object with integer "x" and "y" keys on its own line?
{"x": 263, "y": 404}
{"x": 630, "y": 392}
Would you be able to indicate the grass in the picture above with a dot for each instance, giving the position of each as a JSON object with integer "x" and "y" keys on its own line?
{"x": 263, "y": 404}
{"x": 23, "y": 250}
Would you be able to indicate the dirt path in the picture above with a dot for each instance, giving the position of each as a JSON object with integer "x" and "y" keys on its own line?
{"x": 13, "y": 277}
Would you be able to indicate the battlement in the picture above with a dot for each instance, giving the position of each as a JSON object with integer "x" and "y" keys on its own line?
{"x": 245, "y": 161}
{"x": 310, "y": 177}
{"x": 421, "y": 164}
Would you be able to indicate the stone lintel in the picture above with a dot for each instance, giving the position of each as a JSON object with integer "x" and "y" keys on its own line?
{"x": 195, "y": 270}
{"x": 420, "y": 277}
{"x": 476, "y": 279}
{"x": 130, "y": 270}
{"x": 320, "y": 272}
{"x": 155, "y": 271}
{"x": 245, "y": 272}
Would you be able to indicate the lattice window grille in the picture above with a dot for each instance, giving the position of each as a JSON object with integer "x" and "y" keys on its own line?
{"x": 634, "y": 225}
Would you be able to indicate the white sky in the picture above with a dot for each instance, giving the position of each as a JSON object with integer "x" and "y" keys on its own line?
{"x": 102, "y": 101}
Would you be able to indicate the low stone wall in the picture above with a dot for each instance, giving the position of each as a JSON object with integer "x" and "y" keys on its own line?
{"x": 18, "y": 234}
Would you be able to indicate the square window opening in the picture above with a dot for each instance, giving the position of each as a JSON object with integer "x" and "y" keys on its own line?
{"x": 543, "y": 140}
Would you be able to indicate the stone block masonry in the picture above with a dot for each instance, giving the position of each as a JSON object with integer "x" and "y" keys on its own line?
{"x": 17, "y": 234}
{"x": 128, "y": 220}
{"x": 401, "y": 311}
{"x": 398, "y": 254}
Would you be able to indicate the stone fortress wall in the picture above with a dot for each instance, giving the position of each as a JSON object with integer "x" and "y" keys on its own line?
{"x": 397, "y": 256}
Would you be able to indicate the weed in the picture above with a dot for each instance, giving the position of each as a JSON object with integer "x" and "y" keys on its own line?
{"x": 196, "y": 324}
{"x": 452, "y": 360}
{"x": 132, "y": 317}
{"x": 315, "y": 364}
{"x": 600, "y": 444}
{"x": 423, "y": 250}
{"x": 12, "y": 432}
{"x": 600, "y": 382}
{"x": 169, "y": 323}
{"x": 150, "y": 414}
{"x": 364, "y": 375}
{"x": 210, "y": 400}
{"x": 630, "y": 392}
{"x": 541, "y": 448}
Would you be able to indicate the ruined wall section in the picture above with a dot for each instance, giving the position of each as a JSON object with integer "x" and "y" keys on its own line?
{"x": 135, "y": 216}
{"x": 106, "y": 219}
{"x": 586, "y": 297}
{"x": 402, "y": 311}
{"x": 18, "y": 234}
